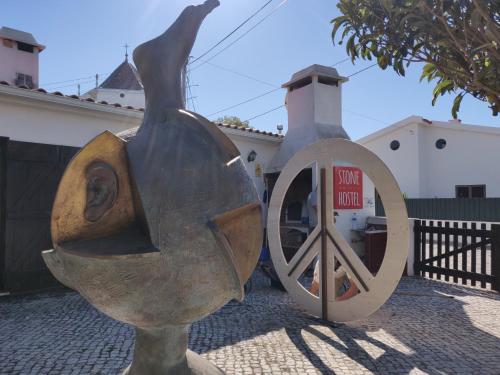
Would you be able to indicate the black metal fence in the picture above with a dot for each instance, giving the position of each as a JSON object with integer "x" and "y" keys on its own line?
{"x": 460, "y": 252}
{"x": 463, "y": 209}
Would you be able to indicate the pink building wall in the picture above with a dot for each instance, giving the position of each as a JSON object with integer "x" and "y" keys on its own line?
{"x": 13, "y": 61}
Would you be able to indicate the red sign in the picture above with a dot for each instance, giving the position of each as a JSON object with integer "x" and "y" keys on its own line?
{"x": 347, "y": 188}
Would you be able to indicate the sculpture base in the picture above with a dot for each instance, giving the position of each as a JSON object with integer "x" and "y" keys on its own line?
{"x": 164, "y": 351}
{"x": 195, "y": 365}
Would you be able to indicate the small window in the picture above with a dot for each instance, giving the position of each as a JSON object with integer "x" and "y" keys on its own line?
{"x": 8, "y": 43}
{"x": 24, "y": 80}
{"x": 25, "y": 47}
{"x": 395, "y": 145}
{"x": 478, "y": 191}
{"x": 470, "y": 191}
{"x": 462, "y": 191}
{"x": 440, "y": 144}
{"x": 122, "y": 95}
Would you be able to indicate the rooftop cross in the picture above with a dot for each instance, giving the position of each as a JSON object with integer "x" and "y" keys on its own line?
{"x": 126, "y": 51}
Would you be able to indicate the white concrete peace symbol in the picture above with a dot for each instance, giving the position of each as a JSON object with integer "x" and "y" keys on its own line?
{"x": 330, "y": 244}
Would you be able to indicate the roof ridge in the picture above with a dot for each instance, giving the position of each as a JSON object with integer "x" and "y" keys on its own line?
{"x": 124, "y": 77}
{"x": 117, "y": 105}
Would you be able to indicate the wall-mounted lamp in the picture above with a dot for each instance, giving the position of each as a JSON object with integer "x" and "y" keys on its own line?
{"x": 280, "y": 128}
{"x": 252, "y": 156}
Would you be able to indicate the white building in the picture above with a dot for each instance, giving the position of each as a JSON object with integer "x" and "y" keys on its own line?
{"x": 123, "y": 86}
{"x": 19, "y": 58}
{"x": 433, "y": 159}
{"x": 39, "y": 131}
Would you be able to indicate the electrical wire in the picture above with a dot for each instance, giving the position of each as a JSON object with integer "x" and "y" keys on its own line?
{"x": 364, "y": 116}
{"x": 362, "y": 70}
{"x": 69, "y": 80}
{"x": 232, "y": 32}
{"x": 281, "y": 106}
{"x": 73, "y": 84}
{"x": 274, "y": 90}
{"x": 240, "y": 37}
{"x": 188, "y": 82}
{"x": 245, "y": 102}
{"x": 73, "y": 80}
{"x": 265, "y": 113}
{"x": 242, "y": 75}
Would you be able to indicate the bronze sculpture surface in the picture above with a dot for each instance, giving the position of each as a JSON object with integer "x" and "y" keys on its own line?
{"x": 159, "y": 228}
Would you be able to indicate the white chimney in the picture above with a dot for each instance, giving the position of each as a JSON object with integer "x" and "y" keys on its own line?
{"x": 314, "y": 104}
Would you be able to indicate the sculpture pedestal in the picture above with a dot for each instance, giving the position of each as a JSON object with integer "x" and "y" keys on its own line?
{"x": 164, "y": 351}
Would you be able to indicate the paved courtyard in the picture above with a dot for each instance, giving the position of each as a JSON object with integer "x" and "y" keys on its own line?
{"x": 426, "y": 327}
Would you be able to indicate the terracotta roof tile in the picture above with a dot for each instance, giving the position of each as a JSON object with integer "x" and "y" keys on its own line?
{"x": 129, "y": 108}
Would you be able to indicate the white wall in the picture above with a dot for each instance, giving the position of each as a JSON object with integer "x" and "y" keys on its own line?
{"x": 133, "y": 98}
{"x": 55, "y": 124}
{"x": 300, "y": 107}
{"x": 29, "y": 120}
{"x": 265, "y": 151}
{"x": 470, "y": 157}
{"x": 404, "y": 163}
{"x": 13, "y": 61}
{"x": 327, "y": 103}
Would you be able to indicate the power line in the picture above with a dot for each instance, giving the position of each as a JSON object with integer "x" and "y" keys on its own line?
{"x": 238, "y": 39}
{"x": 232, "y": 32}
{"x": 257, "y": 79}
{"x": 241, "y": 74}
{"x": 364, "y": 116}
{"x": 245, "y": 102}
{"x": 69, "y": 80}
{"x": 72, "y": 80}
{"x": 268, "y": 92}
{"x": 188, "y": 83}
{"x": 340, "y": 62}
{"x": 362, "y": 70}
{"x": 265, "y": 113}
{"x": 275, "y": 109}
{"x": 73, "y": 84}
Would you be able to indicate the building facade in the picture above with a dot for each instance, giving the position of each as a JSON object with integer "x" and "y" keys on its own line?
{"x": 434, "y": 159}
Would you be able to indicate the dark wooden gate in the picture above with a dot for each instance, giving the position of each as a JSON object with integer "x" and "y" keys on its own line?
{"x": 459, "y": 252}
{"x": 29, "y": 176}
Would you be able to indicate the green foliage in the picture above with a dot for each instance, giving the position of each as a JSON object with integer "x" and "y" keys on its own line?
{"x": 458, "y": 40}
{"x": 233, "y": 120}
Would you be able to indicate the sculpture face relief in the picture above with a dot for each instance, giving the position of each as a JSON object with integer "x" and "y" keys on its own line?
{"x": 160, "y": 227}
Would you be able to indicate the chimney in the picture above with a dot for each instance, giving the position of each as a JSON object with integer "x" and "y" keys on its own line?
{"x": 314, "y": 104}
{"x": 19, "y": 52}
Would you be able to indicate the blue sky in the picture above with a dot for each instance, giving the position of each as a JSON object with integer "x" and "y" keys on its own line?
{"x": 87, "y": 37}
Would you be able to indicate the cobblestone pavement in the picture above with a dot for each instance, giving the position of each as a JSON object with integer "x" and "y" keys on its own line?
{"x": 426, "y": 327}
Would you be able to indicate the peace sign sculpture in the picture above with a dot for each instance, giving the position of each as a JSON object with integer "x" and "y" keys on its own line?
{"x": 331, "y": 246}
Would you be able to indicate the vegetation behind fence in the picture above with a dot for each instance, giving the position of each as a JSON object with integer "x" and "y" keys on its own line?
{"x": 463, "y": 209}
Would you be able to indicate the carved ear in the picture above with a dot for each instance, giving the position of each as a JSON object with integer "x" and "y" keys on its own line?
{"x": 94, "y": 198}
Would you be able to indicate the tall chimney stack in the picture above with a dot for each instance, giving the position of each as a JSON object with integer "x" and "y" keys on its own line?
{"x": 314, "y": 104}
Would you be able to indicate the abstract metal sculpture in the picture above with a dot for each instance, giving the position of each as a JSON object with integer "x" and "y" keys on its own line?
{"x": 159, "y": 228}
